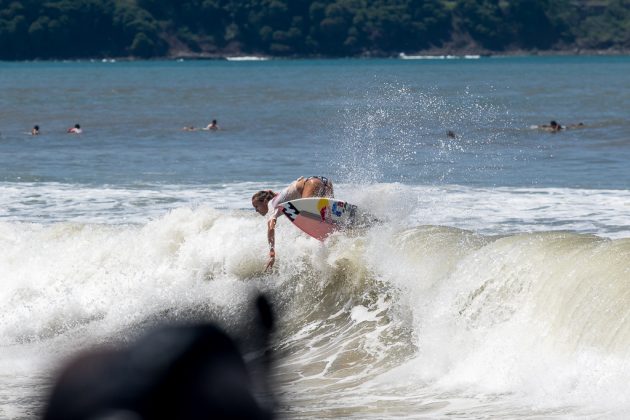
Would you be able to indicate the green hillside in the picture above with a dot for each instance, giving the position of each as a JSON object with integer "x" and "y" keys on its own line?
{"x": 155, "y": 28}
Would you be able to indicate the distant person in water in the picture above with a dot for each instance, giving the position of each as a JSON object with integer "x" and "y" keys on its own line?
{"x": 212, "y": 126}
{"x": 35, "y": 130}
{"x": 266, "y": 203}
{"x": 75, "y": 130}
{"x": 552, "y": 127}
{"x": 451, "y": 134}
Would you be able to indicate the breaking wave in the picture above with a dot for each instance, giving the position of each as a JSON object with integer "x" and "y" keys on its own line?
{"x": 405, "y": 312}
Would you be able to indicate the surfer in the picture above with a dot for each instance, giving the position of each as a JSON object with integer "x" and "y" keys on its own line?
{"x": 75, "y": 130}
{"x": 35, "y": 131}
{"x": 552, "y": 127}
{"x": 266, "y": 203}
{"x": 212, "y": 126}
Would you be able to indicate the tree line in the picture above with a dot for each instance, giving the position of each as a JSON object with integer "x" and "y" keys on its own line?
{"x": 45, "y": 29}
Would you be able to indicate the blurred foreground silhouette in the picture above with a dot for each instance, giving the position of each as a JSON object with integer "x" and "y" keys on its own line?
{"x": 173, "y": 372}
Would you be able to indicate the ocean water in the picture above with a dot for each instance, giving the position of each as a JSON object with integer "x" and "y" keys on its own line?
{"x": 498, "y": 285}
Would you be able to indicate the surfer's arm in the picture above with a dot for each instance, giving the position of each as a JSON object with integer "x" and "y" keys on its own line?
{"x": 271, "y": 238}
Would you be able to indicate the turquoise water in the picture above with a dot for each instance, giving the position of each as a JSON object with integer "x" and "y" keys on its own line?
{"x": 497, "y": 286}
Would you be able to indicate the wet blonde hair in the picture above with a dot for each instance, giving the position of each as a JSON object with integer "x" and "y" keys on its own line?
{"x": 264, "y": 195}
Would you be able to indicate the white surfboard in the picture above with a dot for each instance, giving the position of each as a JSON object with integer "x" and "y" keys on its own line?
{"x": 320, "y": 216}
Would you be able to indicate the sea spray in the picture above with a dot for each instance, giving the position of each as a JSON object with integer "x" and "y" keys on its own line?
{"x": 395, "y": 132}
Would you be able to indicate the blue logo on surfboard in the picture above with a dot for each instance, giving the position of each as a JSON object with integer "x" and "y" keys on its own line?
{"x": 338, "y": 208}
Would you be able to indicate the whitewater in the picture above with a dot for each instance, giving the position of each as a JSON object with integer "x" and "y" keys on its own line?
{"x": 413, "y": 317}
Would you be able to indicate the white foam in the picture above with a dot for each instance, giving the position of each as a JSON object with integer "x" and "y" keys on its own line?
{"x": 112, "y": 276}
{"x": 536, "y": 318}
{"x": 500, "y": 210}
{"x": 361, "y": 313}
{"x": 56, "y": 202}
{"x": 247, "y": 58}
{"x": 438, "y": 57}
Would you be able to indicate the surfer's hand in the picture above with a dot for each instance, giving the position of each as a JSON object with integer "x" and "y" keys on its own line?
{"x": 272, "y": 259}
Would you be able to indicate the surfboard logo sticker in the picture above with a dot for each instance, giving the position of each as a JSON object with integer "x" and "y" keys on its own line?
{"x": 323, "y": 208}
{"x": 290, "y": 211}
{"x": 338, "y": 208}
